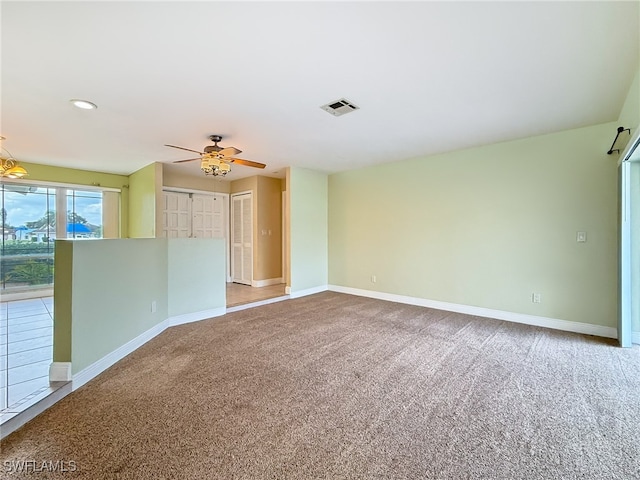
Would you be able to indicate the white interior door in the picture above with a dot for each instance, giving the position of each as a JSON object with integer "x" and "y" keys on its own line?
{"x": 203, "y": 216}
{"x": 242, "y": 238}
{"x": 209, "y": 216}
{"x": 219, "y": 217}
{"x": 176, "y": 216}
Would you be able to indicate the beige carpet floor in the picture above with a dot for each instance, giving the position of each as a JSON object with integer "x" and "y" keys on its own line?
{"x": 333, "y": 386}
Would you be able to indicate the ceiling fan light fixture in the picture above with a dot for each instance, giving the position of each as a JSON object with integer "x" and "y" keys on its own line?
{"x": 216, "y": 160}
{"x": 9, "y": 167}
{"x": 212, "y": 165}
{"x": 14, "y": 172}
{"x": 83, "y": 104}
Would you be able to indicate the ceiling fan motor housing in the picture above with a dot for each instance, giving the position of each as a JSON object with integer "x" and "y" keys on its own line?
{"x": 212, "y": 149}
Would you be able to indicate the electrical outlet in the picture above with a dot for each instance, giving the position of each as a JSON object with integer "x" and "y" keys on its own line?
{"x": 373, "y": 279}
{"x": 536, "y": 298}
{"x": 154, "y": 307}
{"x": 581, "y": 237}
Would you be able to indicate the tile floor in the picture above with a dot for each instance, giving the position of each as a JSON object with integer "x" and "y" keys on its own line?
{"x": 240, "y": 294}
{"x": 26, "y": 349}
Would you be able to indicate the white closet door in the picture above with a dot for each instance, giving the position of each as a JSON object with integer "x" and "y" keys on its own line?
{"x": 202, "y": 216}
{"x": 209, "y": 216}
{"x": 219, "y": 209}
{"x": 242, "y": 239}
{"x": 221, "y": 225}
{"x": 176, "y": 217}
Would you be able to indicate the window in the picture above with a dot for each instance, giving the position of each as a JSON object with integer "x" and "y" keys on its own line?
{"x": 33, "y": 216}
{"x": 28, "y": 230}
{"x": 84, "y": 214}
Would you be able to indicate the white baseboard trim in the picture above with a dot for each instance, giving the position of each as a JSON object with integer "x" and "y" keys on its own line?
{"x": 267, "y": 282}
{"x": 554, "y": 323}
{"x": 259, "y": 303}
{"x": 119, "y": 353}
{"x": 308, "y": 291}
{"x": 635, "y": 337}
{"x": 196, "y": 316}
{"x": 60, "y": 372}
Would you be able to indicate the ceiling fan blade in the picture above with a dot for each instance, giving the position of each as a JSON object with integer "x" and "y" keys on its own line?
{"x": 228, "y": 151}
{"x": 182, "y": 148}
{"x": 187, "y": 160}
{"x": 248, "y": 163}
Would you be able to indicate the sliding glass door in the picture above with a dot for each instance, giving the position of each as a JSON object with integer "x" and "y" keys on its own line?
{"x": 28, "y": 234}
{"x": 33, "y": 216}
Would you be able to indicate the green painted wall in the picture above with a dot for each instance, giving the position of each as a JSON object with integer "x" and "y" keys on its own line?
{"x": 145, "y": 199}
{"x": 112, "y": 287}
{"x": 195, "y": 280}
{"x": 62, "y": 306}
{"x": 630, "y": 113}
{"x": 47, "y": 173}
{"x": 308, "y": 235}
{"x": 486, "y": 227}
{"x": 104, "y": 290}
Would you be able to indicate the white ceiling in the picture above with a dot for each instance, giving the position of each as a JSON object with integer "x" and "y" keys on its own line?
{"x": 428, "y": 77}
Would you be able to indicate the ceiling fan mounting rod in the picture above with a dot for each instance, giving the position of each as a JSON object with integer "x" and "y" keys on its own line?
{"x": 215, "y": 138}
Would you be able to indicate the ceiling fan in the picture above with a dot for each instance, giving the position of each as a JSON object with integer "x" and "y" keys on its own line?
{"x": 216, "y": 160}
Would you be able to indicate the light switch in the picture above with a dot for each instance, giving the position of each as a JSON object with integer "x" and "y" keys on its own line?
{"x": 581, "y": 237}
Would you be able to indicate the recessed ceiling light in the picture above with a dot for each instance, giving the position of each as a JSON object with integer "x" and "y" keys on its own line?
{"x": 85, "y": 105}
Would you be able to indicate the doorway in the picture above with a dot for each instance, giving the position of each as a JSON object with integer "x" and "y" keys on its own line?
{"x": 195, "y": 214}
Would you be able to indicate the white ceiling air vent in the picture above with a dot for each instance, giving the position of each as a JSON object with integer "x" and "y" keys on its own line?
{"x": 339, "y": 107}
